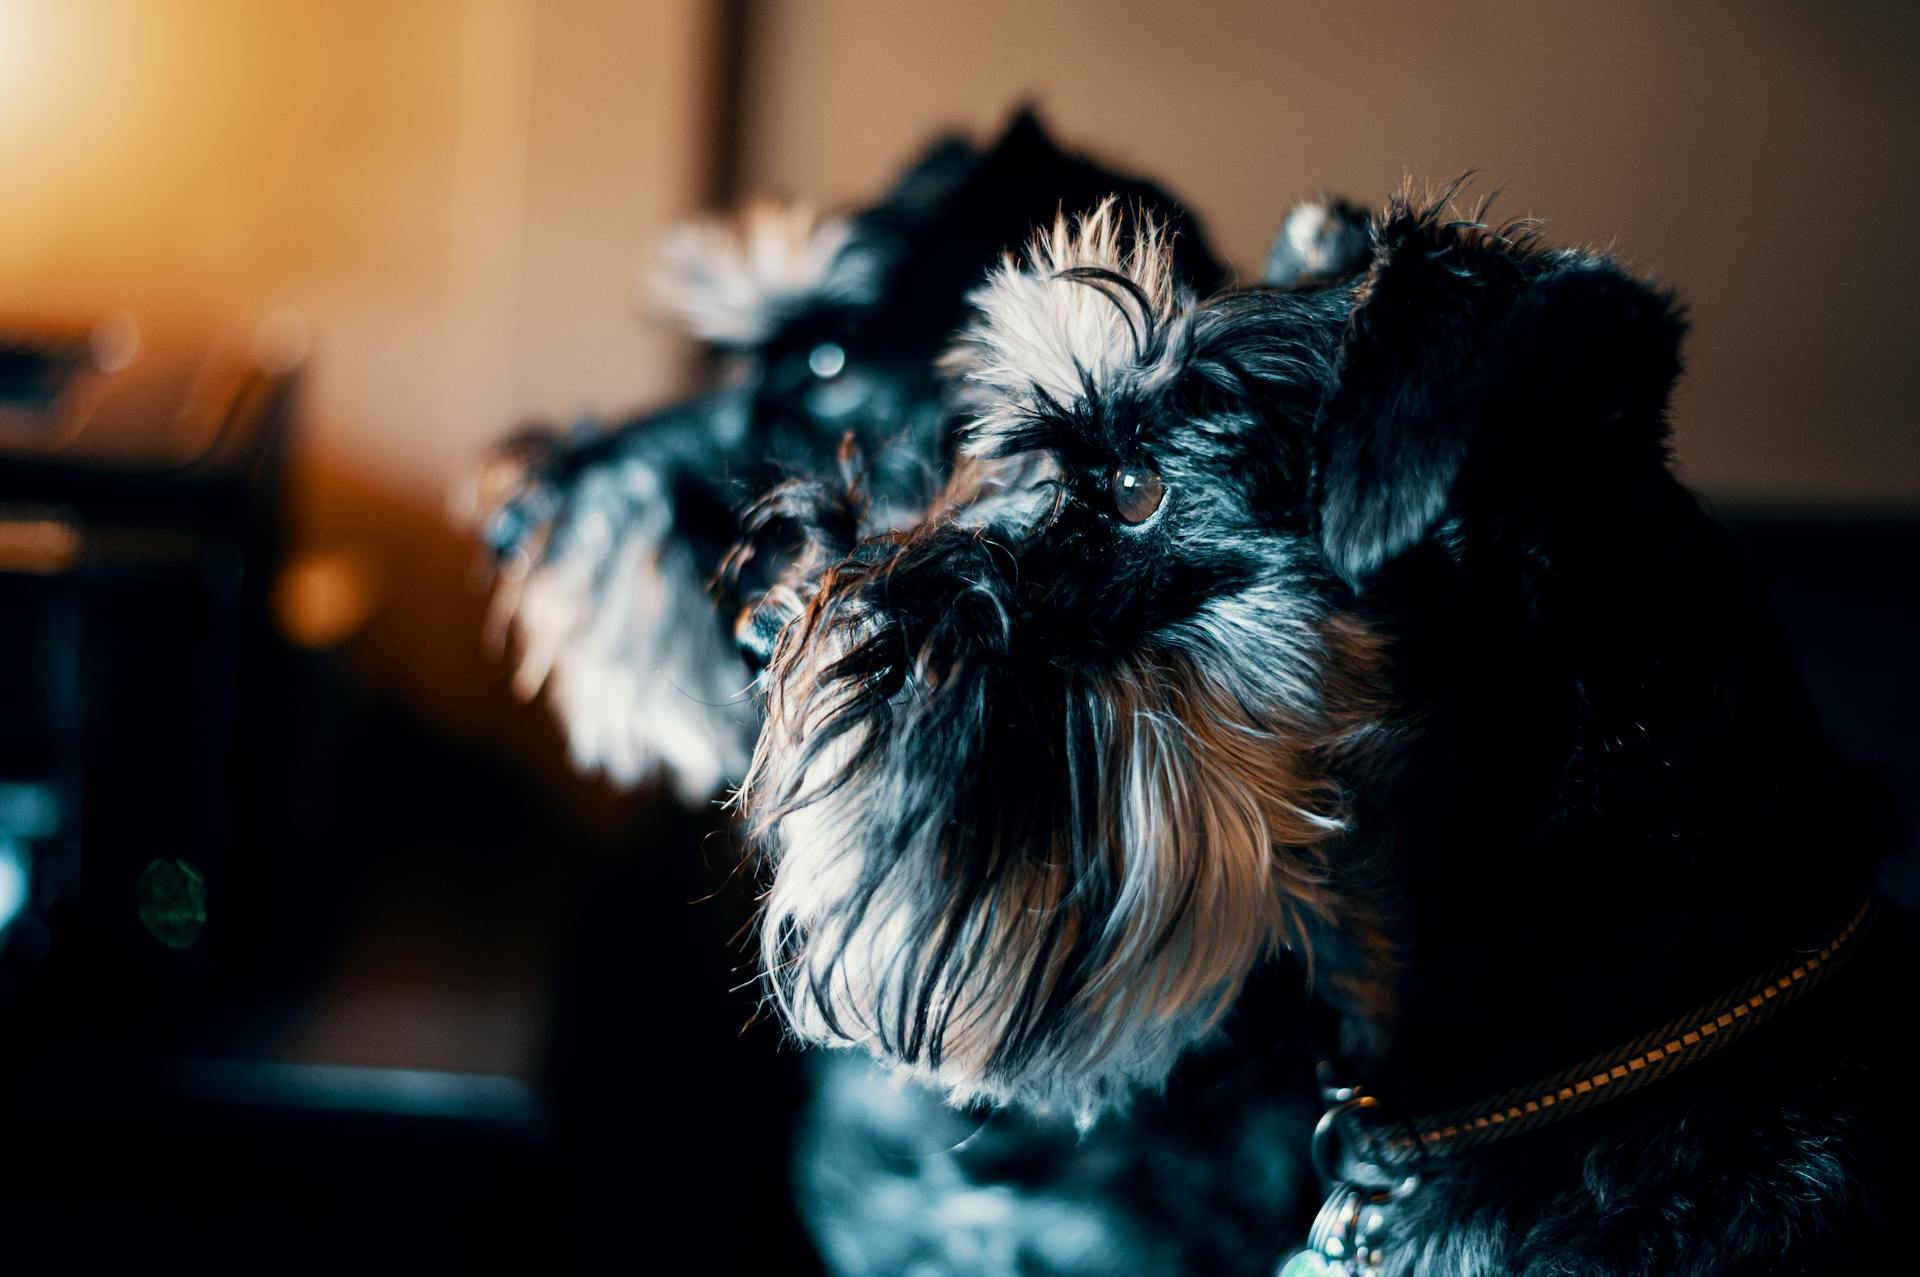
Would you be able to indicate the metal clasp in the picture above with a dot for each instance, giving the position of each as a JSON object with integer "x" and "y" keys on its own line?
{"x": 1350, "y": 1230}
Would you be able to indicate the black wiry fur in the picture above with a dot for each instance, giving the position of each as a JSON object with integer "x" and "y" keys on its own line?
{"x": 1557, "y": 776}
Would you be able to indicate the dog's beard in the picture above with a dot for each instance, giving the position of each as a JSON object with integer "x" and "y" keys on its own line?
{"x": 1037, "y": 897}
{"x": 616, "y": 625}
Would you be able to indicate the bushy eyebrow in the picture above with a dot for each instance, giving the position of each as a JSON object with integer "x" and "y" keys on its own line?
{"x": 1094, "y": 428}
{"x": 1136, "y": 308}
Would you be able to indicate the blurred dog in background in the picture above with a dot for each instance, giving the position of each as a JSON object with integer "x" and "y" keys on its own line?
{"x": 609, "y": 544}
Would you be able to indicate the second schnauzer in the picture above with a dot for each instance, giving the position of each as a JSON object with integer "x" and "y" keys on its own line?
{"x": 1361, "y": 618}
{"x": 607, "y": 541}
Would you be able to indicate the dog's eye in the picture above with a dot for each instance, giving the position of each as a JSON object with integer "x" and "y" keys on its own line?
{"x": 826, "y": 360}
{"x": 1137, "y": 492}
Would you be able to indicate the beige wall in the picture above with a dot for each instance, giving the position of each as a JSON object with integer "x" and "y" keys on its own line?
{"x": 1758, "y": 156}
{"x": 457, "y": 195}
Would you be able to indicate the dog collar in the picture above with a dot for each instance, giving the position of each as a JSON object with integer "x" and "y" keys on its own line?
{"x": 1374, "y": 1164}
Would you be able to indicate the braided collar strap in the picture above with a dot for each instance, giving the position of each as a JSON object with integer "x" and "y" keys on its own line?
{"x": 1685, "y": 1041}
{"x": 1350, "y": 1236}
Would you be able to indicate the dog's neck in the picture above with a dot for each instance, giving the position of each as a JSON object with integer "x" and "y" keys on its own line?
{"x": 1609, "y": 806}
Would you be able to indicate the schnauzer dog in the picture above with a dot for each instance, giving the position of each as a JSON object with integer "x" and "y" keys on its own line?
{"x": 1359, "y": 617}
{"x": 606, "y": 541}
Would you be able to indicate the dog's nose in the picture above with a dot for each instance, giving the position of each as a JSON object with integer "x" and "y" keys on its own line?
{"x": 755, "y": 631}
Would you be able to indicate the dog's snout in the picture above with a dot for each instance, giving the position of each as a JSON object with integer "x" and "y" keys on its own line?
{"x": 755, "y": 631}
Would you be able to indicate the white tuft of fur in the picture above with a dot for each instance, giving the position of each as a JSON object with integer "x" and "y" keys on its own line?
{"x": 733, "y": 281}
{"x": 1321, "y": 238}
{"x": 616, "y": 628}
{"x": 1037, "y": 330}
{"x": 1306, "y": 232}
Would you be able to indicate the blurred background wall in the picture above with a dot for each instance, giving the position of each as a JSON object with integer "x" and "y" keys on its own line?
{"x": 457, "y": 195}
{"x": 455, "y": 198}
{"x": 1755, "y": 156}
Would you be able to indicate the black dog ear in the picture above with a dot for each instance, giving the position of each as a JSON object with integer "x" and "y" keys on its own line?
{"x": 961, "y": 210}
{"x": 929, "y": 181}
{"x": 1468, "y": 349}
{"x": 952, "y": 175}
{"x": 1322, "y": 239}
{"x": 1030, "y": 180}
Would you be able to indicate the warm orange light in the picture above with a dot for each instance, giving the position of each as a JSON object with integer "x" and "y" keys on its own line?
{"x": 444, "y": 209}
{"x": 17, "y": 23}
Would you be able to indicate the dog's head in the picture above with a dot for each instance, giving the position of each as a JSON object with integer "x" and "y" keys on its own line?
{"x": 608, "y": 542}
{"x": 1045, "y": 775}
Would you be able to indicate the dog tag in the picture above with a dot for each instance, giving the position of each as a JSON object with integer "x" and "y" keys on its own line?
{"x": 1307, "y": 1264}
{"x": 1347, "y": 1234}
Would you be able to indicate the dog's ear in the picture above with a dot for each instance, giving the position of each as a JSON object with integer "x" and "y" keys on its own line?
{"x": 952, "y": 186}
{"x": 1322, "y": 239}
{"x": 1030, "y": 179}
{"x": 1469, "y": 351}
{"x": 923, "y": 189}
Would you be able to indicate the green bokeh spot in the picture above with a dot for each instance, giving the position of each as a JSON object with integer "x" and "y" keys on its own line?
{"x": 172, "y": 898}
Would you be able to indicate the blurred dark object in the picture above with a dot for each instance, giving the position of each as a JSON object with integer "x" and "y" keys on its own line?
{"x": 139, "y": 494}
{"x": 280, "y": 943}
